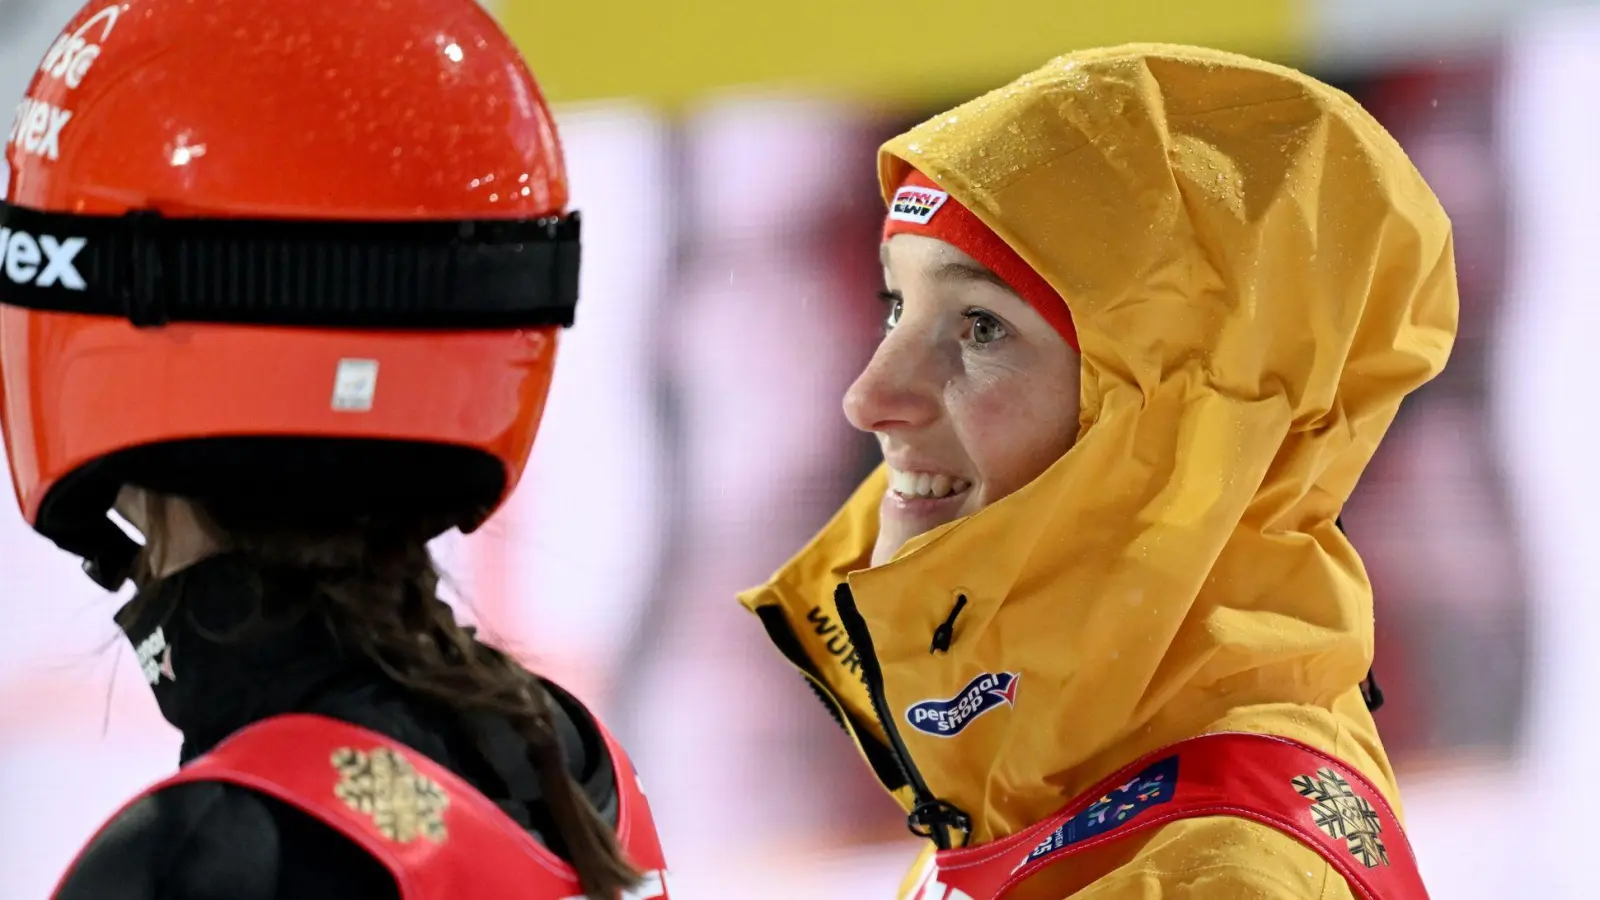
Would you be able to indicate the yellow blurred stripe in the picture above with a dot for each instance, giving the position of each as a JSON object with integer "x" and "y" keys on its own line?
{"x": 670, "y": 51}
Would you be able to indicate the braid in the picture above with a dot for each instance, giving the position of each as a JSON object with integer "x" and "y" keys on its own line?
{"x": 379, "y": 591}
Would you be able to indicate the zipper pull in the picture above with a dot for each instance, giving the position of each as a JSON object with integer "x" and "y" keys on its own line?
{"x": 944, "y": 634}
{"x": 936, "y": 819}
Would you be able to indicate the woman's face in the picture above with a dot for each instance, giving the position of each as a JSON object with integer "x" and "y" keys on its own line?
{"x": 971, "y": 393}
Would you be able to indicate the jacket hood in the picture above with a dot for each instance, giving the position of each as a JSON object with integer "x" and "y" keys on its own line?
{"x": 1258, "y": 277}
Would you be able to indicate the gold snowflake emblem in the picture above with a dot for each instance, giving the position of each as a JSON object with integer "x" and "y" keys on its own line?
{"x": 1342, "y": 814}
{"x": 381, "y": 784}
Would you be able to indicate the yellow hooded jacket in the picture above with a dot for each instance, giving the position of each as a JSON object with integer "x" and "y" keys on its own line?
{"x": 1258, "y": 276}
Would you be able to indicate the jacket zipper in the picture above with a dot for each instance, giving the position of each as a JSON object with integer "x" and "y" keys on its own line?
{"x": 931, "y": 817}
{"x": 878, "y": 755}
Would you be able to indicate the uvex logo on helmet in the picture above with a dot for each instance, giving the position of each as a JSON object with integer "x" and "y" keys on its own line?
{"x": 39, "y": 123}
{"x": 946, "y": 718}
{"x": 74, "y": 52}
{"x": 43, "y": 261}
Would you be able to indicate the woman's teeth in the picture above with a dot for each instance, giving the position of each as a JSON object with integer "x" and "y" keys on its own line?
{"x": 921, "y": 484}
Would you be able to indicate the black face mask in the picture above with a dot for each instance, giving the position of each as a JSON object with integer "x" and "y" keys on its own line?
{"x": 222, "y": 646}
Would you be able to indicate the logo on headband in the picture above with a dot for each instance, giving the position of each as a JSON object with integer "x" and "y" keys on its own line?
{"x": 916, "y": 204}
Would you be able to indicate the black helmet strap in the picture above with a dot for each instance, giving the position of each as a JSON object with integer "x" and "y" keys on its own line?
{"x": 153, "y": 269}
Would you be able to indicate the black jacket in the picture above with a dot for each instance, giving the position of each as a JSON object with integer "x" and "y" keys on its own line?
{"x": 208, "y": 840}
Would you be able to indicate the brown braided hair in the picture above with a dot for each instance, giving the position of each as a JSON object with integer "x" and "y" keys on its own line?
{"x": 376, "y": 586}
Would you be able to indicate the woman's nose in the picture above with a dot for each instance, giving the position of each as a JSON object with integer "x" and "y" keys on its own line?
{"x": 899, "y": 387}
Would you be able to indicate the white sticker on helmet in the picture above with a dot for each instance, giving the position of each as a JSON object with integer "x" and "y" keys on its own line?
{"x": 355, "y": 385}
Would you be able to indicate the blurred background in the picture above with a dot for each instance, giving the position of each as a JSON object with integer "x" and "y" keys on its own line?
{"x": 722, "y": 153}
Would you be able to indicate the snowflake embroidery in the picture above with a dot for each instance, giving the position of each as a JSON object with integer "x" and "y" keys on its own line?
{"x": 1343, "y": 815}
{"x": 381, "y": 784}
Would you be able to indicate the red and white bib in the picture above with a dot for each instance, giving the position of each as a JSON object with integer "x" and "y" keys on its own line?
{"x": 438, "y": 836}
{"x": 1280, "y": 783}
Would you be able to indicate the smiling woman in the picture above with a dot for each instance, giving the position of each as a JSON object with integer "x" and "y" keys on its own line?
{"x": 1150, "y": 311}
{"x": 972, "y": 392}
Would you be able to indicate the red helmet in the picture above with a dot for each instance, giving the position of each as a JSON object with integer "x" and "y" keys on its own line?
{"x": 293, "y": 253}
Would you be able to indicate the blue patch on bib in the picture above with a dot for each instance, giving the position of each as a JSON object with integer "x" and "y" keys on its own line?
{"x": 1152, "y": 787}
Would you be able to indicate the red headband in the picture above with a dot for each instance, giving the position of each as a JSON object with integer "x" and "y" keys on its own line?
{"x": 921, "y": 207}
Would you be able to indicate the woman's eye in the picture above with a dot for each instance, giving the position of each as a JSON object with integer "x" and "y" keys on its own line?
{"x": 985, "y": 328}
{"x": 894, "y": 304}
